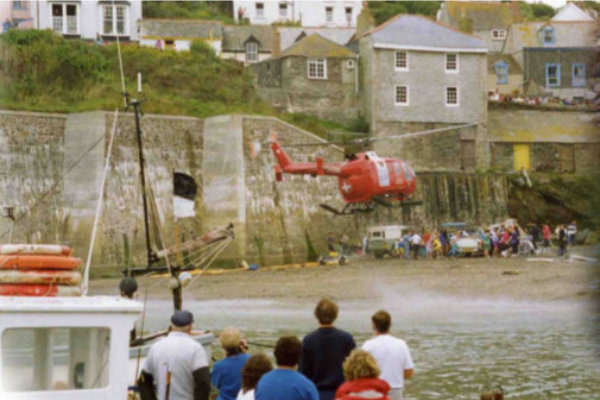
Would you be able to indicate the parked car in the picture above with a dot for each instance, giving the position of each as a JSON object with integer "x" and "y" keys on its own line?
{"x": 382, "y": 239}
{"x": 468, "y": 241}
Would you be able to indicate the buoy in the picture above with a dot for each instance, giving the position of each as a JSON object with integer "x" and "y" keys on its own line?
{"x": 38, "y": 262}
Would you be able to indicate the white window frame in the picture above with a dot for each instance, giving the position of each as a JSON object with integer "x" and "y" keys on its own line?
{"x": 398, "y": 103}
{"x": 349, "y": 15}
{"x": 501, "y": 34}
{"x": 283, "y": 6}
{"x": 451, "y": 71}
{"x": 457, "y": 96}
{"x": 327, "y": 15}
{"x": 316, "y": 61}
{"x": 114, "y": 19}
{"x": 64, "y": 17}
{"x": 350, "y": 64}
{"x": 255, "y": 46}
{"x": 256, "y": 8}
{"x": 396, "y": 67}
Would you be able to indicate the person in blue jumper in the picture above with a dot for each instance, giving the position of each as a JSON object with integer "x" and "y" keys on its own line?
{"x": 285, "y": 383}
{"x": 226, "y": 376}
{"x": 324, "y": 351}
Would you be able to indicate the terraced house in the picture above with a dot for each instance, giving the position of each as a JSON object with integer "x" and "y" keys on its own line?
{"x": 417, "y": 74}
{"x": 557, "y": 57}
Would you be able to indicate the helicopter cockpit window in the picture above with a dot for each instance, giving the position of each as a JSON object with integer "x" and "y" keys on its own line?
{"x": 407, "y": 172}
{"x": 48, "y": 359}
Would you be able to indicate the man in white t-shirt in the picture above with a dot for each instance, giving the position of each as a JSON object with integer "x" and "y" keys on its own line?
{"x": 391, "y": 353}
{"x": 176, "y": 367}
{"x": 415, "y": 244}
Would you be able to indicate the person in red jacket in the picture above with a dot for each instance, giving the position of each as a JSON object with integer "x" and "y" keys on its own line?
{"x": 361, "y": 373}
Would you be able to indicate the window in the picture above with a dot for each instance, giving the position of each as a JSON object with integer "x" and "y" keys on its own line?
{"x": 19, "y": 5}
{"x": 329, "y": 14}
{"x": 548, "y": 37}
{"x": 349, "y": 15}
{"x": 401, "y": 60}
{"x": 251, "y": 51}
{"x": 498, "y": 34}
{"x": 552, "y": 75}
{"x": 115, "y": 20}
{"x": 170, "y": 44}
{"x": 578, "y": 75}
{"x": 350, "y": 64}
{"x": 451, "y": 62}
{"x": 260, "y": 9}
{"x": 72, "y": 359}
{"x": 452, "y": 96}
{"x": 401, "y": 95}
{"x": 64, "y": 18}
{"x": 501, "y": 73}
{"x": 283, "y": 10}
{"x": 317, "y": 68}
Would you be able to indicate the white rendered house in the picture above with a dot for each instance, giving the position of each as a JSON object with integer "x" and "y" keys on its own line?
{"x": 335, "y": 13}
{"x": 88, "y": 19}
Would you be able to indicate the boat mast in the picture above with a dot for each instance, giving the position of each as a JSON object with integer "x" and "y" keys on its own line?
{"x": 135, "y": 103}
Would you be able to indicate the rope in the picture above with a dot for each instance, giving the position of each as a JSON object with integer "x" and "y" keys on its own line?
{"x": 86, "y": 272}
{"x": 124, "y": 90}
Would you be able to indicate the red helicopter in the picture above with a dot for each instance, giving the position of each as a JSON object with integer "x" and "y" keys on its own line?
{"x": 364, "y": 179}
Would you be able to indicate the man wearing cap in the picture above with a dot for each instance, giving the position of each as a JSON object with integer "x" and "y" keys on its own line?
{"x": 227, "y": 373}
{"x": 176, "y": 367}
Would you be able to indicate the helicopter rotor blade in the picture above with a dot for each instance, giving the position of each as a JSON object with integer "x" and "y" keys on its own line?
{"x": 407, "y": 135}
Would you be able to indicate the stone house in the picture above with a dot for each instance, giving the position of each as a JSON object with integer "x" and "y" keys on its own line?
{"x": 249, "y": 43}
{"x": 314, "y": 76}
{"x": 178, "y": 34}
{"x": 306, "y": 13}
{"x": 76, "y": 19}
{"x": 505, "y": 75}
{"x": 488, "y": 21}
{"x": 557, "y": 57}
{"x": 417, "y": 74}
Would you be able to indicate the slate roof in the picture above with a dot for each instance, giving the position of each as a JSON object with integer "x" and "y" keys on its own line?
{"x": 420, "y": 33}
{"x": 317, "y": 46}
{"x": 513, "y": 66}
{"x": 236, "y": 36}
{"x": 484, "y": 15}
{"x": 289, "y": 35}
{"x": 181, "y": 28}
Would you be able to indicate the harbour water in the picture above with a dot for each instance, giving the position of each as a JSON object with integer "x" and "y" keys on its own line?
{"x": 460, "y": 346}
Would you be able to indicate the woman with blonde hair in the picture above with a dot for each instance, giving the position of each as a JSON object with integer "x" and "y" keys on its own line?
{"x": 361, "y": 373}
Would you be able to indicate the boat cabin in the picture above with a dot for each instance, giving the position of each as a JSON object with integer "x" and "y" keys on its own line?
{"x": 66, "y": 348}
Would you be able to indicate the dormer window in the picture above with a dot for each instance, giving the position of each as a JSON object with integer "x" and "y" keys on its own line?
{"x": 251, "y": 51}
{"x": 548, "y": 36}
{"x": 498, "y": 34}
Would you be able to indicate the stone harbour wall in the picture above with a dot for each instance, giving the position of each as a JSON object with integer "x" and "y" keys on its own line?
{"x": 275, "y": 221}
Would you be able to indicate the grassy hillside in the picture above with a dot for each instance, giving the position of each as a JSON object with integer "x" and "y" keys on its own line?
{"x": 40, "y": 71}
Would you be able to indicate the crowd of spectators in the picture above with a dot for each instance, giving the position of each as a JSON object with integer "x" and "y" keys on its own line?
{"x": 325, "y": 365}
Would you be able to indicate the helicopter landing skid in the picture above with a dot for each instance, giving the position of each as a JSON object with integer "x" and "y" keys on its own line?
{"x": 406, "y": 203}
{"x": 349, "y": 209}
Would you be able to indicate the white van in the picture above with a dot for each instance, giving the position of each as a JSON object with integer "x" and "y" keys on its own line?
{"x": 381, "y": 239}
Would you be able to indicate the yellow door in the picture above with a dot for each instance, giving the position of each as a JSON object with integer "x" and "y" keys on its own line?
{"x": 521, "y": 156}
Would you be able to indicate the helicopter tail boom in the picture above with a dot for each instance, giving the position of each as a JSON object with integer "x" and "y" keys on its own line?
{"x": 286, "y": 165}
